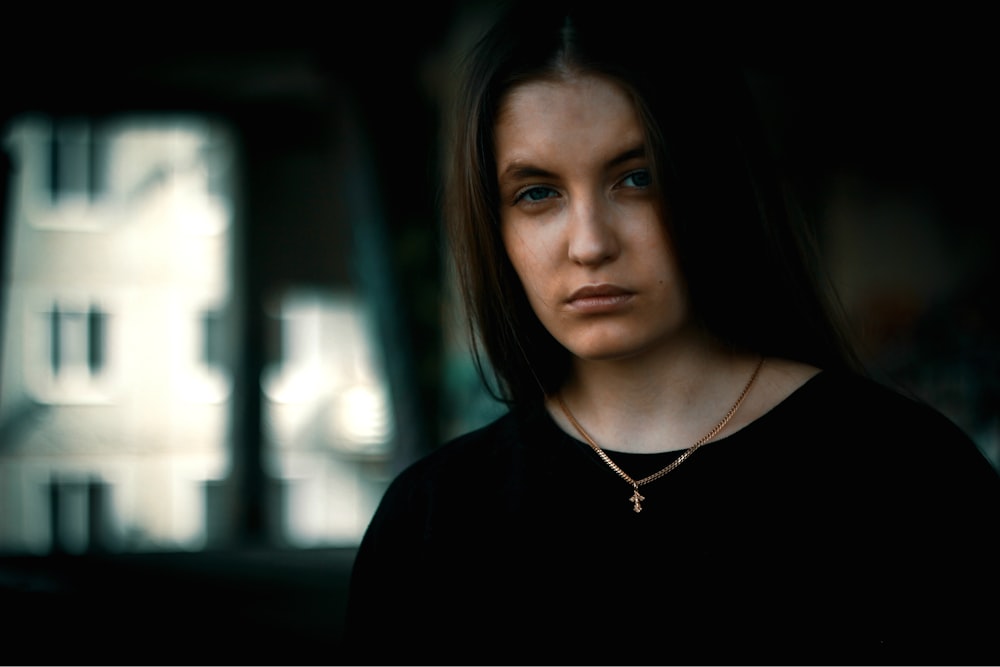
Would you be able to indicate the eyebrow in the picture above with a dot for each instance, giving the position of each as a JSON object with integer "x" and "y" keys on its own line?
{"x": 625, "y": 156}
{"x": 523, "y": 170}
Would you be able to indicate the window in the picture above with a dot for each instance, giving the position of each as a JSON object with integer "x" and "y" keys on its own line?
{"x": 76, "y": 168}
{"x": 76, "y": 341}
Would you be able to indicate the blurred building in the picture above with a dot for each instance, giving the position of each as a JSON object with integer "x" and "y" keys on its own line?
{"x": 119, "y": 341}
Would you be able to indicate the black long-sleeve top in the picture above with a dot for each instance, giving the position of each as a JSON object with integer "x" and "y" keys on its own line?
{"x": 848, "y": 525}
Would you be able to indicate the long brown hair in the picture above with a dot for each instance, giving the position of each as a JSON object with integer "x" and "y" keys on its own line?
{"x": 749, "y": 263}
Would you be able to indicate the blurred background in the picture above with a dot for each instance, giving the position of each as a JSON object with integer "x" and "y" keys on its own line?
{"x": 226, "y": 317}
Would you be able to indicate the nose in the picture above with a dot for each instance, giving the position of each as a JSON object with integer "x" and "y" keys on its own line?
{"x": 592, "y": 239}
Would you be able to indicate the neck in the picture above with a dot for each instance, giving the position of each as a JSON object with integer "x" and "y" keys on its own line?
{"x": 665, "y": 404}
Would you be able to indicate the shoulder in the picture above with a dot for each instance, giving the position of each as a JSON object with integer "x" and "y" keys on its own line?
{"x": 854, "y": 396}
{"x": 469, "y": 459}
{"x": 880, "y": 423}
{"x": 869, "y": 449}
{"x": 450, "y": 492}
{"x": 812, "y": 398}
{"x": 480, "y": 445}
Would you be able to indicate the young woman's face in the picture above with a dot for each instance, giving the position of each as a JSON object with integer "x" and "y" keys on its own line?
{"x": 581, "y": 221}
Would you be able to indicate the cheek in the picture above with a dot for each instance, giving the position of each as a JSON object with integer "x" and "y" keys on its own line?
{"x": 523, "y": 256}
{"x": 534, "y": 271}
{"x": 658, "y": 244}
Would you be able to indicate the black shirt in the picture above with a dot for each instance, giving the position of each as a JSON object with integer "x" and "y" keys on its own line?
{"x": 847, "y": 525}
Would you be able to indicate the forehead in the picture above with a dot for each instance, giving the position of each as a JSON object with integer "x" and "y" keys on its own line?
{"x": 563, "y": 87}
{"x": 578, "y": 114}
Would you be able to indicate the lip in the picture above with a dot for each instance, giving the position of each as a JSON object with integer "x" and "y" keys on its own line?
{"x": 599, "y": 298}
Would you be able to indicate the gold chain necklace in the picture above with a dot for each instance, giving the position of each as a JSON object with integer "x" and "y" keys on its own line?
{"x": 636, "y": 496}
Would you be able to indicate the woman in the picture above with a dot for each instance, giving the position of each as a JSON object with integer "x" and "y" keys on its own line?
{"x": 693, "y": 468}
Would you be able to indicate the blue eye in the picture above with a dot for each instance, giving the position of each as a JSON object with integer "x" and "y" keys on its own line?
{"x": 537, "y": 193}
{"x": 638, "y": 179}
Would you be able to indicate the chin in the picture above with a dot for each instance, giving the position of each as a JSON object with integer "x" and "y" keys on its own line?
{"x": 610, "y": 351}
{"x": 624, "y": 343}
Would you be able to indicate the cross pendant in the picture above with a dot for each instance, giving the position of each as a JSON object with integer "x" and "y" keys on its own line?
{"x": 636, "y": 497}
